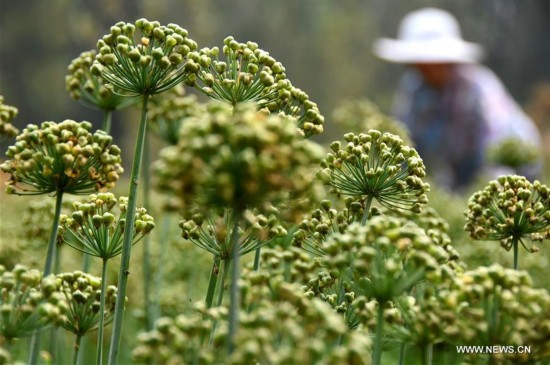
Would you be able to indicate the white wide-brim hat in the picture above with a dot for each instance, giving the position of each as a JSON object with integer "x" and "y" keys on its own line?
{"x": 428, "y": 36}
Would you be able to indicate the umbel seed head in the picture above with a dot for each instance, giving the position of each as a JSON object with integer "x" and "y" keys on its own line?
{"x": 61, "y": 157}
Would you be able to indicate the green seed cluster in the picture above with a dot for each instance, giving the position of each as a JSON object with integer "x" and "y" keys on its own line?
{"x": 81, "y": 293}
{"x": 313, "y": 231}
{"x": 497, "y": 305}
{"x": 249, "y": 74}
{"x": 240, "y": 159}
{"x": 144, "y": 59}
{"x": 514, "y": 153}
{"x": 169, "y": 110}
{"x": 362, "y": 115}
{"x": 379, "y": 166}
{"x": 381, "y": 261}
{"x": 62, "y": 157}
{"x": 510, "y": 208}
{"x": 25, "y": 304}
{"x": 273, "y": 331}
{"x": 90, "y": 88}
{"x": 213, "y": 232}
{"x": 96, "y": 228}
{"x": 7, "y": 115}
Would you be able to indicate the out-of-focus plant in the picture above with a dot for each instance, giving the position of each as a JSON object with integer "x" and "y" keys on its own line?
{"x": 81, "y": 293}
{"x": 168, "y": 111}
{"x": 249, "y": 74}
{"x": 7, "y": 115}
{"x": 360, "y": 115}
{"x": 498, "y": 306}
{"x": 382, "y": 260}
{"x": 375, "y": 166}
{"x": 272, "y": 332}
{"x": 511, "y": 210}
{"x": 93, "y": 90}
{"x": 239, "y": 159}
{"x": 142, "y": 59}
{"x": 514, "y": 153}
{"x": 27, "y": 304}
{"x": 93, "y": 229}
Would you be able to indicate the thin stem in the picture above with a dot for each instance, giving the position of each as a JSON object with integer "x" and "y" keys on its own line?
{"x": 234, "y": 292}
{"x": 128, "y": 230}
{"x": 377, "y": 354}
{"x": 515, "y": 243}
{"x": 402, "y": 352}
{"x": 226, "y": 264}
{"x": 367, "y": 210}
{"x": 48, "y": 266}
{"x": 214, "y": 272}
{"x": 106, "y": 125}
{"x": 427, "y": 354}
{"x": 86, "y": 261}
{"x": 257, "y": 258}
{"x": 101, "y": 325}
{"x": 146, "y": 260}
{"x": 76, "y": 349}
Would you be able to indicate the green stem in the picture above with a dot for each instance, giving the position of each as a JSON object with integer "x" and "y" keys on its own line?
{"x": 212, "y": 282}
{"x": 402, "y": 352}
{"x": 86, "y": 262}
{"x": 234, "y": 292}
{"x": 48, "y": 266}
{"x": 427, "y": 354}
{"x": 367, "y": 210}
{"x": 146, "y": 260}
{"x": 515, "y": 243}
{"x": 128, "y": 236}
{"x": 76, "y": 349}
{"x": 225, "y": 269}
{"x": 377, "y": 354}
{"x": 101, "y": 325}
{"x": 106, "y": 126}
{"x": 257, "y": 258}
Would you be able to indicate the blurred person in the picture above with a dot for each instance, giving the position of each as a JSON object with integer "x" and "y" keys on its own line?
{"x": 454, "y": 107}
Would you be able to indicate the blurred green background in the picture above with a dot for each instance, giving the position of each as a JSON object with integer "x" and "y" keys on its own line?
{"x": 325, "y": 45}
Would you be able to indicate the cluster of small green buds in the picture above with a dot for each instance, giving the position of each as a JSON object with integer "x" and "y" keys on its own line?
{"x": 313, "y": 231}
{"x": 498, "y": 305}
{"x": 376, "y": 166}
{"x": 213, "y": 232}
{"x": 241, "y": 159}
{"x": 383, "y": 259}
{"x": 362, "y": 115}
{"x": 514, "y": 153}
{"x": 90, "y": 88}
{"x": 144, "y": 59}
{"x": 272, "y": 331}
{"x": 169, "y": 110}
{"x": 510, "y": 209}
{"x": 249, "y": 74}
{"x": 96, "y": 227}
{"x": 25, "y": 304}
{"x": 81, "y": 293}
{"x": 62, "y": 157}
{"x": 7, "y": 115}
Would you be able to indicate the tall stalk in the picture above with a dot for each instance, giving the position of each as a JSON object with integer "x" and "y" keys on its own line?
{"x": 515, "y": 244}
{"x": 128, "y": 229}
{"x": 76, "y": 349}
{"x": 367, "y": 210}
{"x": 212, "y": 281}
{"x": 107, "y": 117}
{"x": 48, "y": 266}
{"x": 159, "y": 273}
{"x": 377, "y": 354}
{"x": 101, "y": 325}
{"x": 234, "y": 290}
